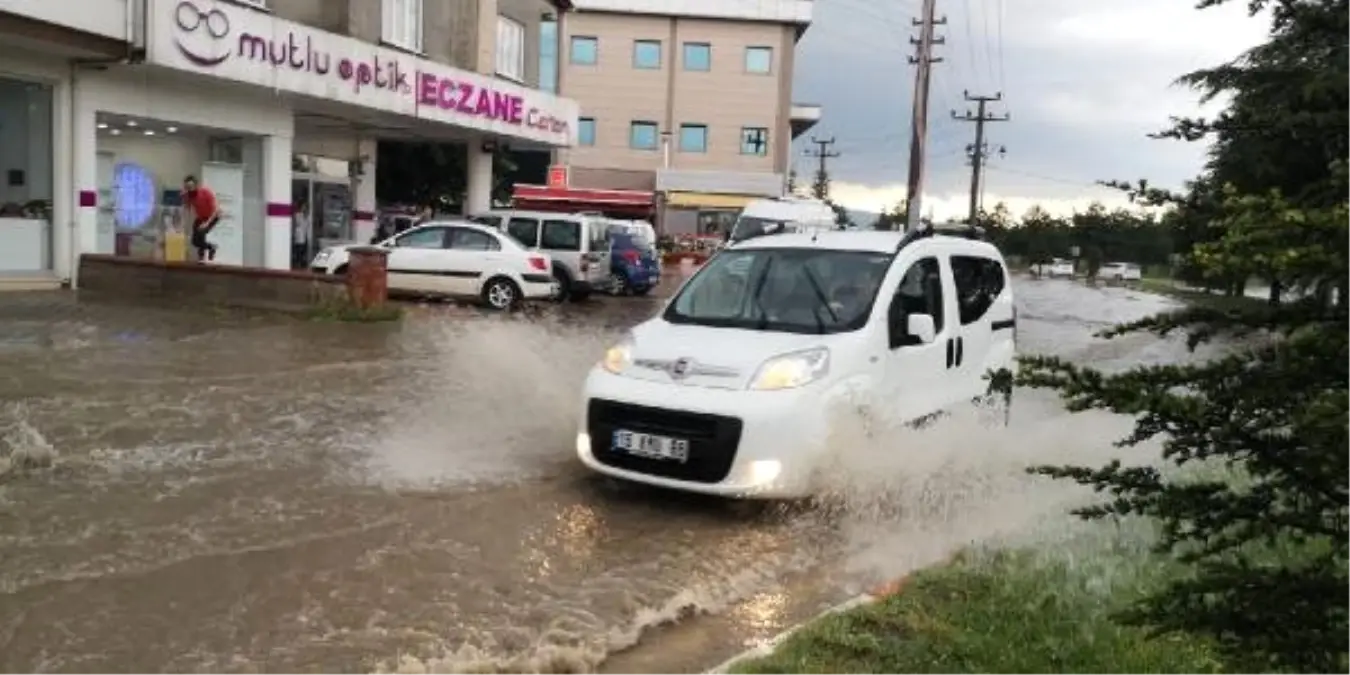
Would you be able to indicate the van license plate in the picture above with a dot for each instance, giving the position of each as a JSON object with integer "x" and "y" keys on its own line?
{"x": 651, "y": 446}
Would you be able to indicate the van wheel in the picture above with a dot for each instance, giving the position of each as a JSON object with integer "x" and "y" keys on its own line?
{"x": 579, "y": 296}
{"x": 617, "y": 285}
{"x": 501, "y": 294}
{"x": 558, "y": 291}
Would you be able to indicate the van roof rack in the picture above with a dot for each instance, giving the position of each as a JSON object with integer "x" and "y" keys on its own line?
{"x": 925, "y": 230}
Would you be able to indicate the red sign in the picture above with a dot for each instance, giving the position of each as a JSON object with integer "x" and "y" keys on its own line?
{"x": 557, "y": 176}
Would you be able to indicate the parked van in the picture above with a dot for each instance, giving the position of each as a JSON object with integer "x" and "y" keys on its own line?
{"x": 782, "y": 215}
{"x": 729, "y": 391}
{"x": 578, "y": 245}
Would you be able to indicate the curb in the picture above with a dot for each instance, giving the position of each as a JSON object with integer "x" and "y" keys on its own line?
{"x": 877, "y": 593}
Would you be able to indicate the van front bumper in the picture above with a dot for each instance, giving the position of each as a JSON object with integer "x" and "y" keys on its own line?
{"x": 742, "y": 444}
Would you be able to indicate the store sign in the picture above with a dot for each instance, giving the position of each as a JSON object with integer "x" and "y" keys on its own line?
{"x": 222, "y": 39}
{"x": 557, "y": 176}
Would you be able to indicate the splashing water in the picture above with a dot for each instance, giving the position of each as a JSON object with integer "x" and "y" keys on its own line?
{"x": 23, "y": 449}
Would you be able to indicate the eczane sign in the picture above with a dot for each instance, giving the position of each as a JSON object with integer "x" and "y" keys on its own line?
{"x": 236, "y": 43}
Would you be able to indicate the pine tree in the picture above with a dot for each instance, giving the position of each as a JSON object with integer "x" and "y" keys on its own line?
{"x": 1266, "y": 541}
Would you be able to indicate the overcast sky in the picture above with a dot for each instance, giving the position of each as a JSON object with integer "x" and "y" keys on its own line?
{"x": 1084, "y": 81}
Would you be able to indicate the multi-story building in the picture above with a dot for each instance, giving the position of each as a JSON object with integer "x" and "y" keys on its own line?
{"x": 106, "y": 105}
{"x": 686, "y": 107}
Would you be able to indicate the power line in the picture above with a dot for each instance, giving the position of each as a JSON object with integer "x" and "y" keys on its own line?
{"x": 1002, "y": 15}
{"x": 824, "y": 154}
{"x": 923, "y": 58}
{"x": 979, "y": 149}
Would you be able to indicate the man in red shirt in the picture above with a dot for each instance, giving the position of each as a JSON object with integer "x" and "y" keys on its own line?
{"x": 205, "y": 214}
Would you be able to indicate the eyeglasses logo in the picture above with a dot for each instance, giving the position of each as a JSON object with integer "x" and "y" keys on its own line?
{"x": 191, "y": 21}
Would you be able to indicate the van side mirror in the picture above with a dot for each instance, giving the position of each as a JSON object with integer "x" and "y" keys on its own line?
{"x": 921, "y": 328}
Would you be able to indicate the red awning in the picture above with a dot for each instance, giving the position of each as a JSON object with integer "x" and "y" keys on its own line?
{"x": 583, "y": 196}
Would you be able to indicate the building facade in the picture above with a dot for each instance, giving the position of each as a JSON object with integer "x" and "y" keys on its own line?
{"x": 685, "y": 106}
{"x": 276, "y": 105}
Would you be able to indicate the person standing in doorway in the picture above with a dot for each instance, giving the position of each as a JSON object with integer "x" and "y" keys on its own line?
{"x": 300, "y": 235}
{"x": 205, "y": 212}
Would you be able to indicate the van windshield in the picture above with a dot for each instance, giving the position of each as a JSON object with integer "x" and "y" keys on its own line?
{"x": 750, "y": 226}
{"x": 783, "y": 289}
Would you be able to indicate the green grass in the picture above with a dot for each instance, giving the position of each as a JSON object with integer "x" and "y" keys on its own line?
{"x": 343, "y": 310}
{"x": 1019, "y": 611}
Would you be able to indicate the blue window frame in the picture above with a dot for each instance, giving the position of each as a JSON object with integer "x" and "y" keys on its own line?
{"x": 585, "y": 50}
{"x": 754, "y": 141}
{"x": 642, "y": 135}
{"x": 586, "y": 131}
{"x": 693, "y": 138}
{"x": 647, "y": 54}
{"x": 759, "y": 60}
{"x": 697, "y": 56}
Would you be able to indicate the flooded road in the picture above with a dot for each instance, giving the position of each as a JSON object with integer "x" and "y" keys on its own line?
{"x": 231, "y": 493}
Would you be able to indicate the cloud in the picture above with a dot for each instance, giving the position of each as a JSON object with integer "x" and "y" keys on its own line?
{"x": 1085, "y": 82}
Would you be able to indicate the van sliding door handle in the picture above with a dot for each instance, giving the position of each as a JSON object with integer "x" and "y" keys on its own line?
{"x": 951, "y": 353}
{"x": 960, "y": 350}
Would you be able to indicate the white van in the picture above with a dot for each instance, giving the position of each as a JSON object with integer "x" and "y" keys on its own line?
{"x": 729, "y": 390}
{"x": 578, "y": 245}
{"x": 782, "y": 215}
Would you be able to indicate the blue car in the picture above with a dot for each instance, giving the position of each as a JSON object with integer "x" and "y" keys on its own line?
{"x": 633, "y": 265}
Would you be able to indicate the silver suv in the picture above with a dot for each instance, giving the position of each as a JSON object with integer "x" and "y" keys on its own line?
{"x": 578, "y": 245}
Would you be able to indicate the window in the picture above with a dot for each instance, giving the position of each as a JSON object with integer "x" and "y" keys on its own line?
{"x": 585, "y": 50}
{"x": 548, "y": 56}
{"x": 525, "y": 230}
{"x": 754, "y": 141}
{"x": 561, "y": 235}
{"x": 494, "y": 222}
{"x": 464, "y": 239}
{"x": 920, "y": 292}
{"x": 647, "y": 54}
{"x": 429, "y": 237}
{"x": 979, "y": 281}
{"x": 402, "y": 24}
{"x": 510, "y": 49}
{"x": 759, "y": 60}
{"x": 586, "y": 131}
{"x": 693, "y": 138}
{"x": 642, "y": 136}
{"x": 697, "y": 56}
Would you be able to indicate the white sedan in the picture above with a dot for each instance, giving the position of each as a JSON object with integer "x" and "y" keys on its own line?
{"x": 1120, "y": 271}
{"x": 456, "y": 259}
{"x": 1056, "y": 268}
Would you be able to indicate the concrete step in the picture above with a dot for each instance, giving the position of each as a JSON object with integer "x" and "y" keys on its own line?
{"x": 27, "y": 281}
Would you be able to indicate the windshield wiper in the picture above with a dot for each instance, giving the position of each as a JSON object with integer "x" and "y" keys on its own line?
{"x": 824, "y": 301}
{"x": 763, "y": 323}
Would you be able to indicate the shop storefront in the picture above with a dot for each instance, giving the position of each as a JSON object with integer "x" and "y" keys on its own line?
{"x": 276, "y": 118}
{"x": 706, "y": 203}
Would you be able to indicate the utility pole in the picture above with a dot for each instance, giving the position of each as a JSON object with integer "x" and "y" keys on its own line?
{"x": 918, "y": 142}
{"x": 979, "y": 150}
{"x": 821, "y": 187}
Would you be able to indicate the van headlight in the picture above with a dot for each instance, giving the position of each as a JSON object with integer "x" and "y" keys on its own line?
{"x": 792, "y": 370}
{"x": 618, "y": 357}
{"x": 323, "y": 256}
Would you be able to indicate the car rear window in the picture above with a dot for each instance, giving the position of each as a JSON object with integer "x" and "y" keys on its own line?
{"x": 561, "y": 235}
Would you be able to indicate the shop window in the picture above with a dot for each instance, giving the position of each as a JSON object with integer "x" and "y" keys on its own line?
{"x": 759, "y": 60}
{"x": 716, "y": 223}
{"x": 25, "y": 175}
{"x": 642, "y": 136}
{"x": 697, "y": 56}
{"x": 402, "y": 24}
{"x": 647, "y": 54}
{"x": 585, "y": 50}
{"x": 586, "y": 131}
{"x": 754, "y": 141}
{"x": 548, "y": 56}
{"x": 510, "y": 49}
{"x": 693, "y": 138}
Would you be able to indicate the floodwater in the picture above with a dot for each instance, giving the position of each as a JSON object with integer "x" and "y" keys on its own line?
{"x": 208, "y": 491}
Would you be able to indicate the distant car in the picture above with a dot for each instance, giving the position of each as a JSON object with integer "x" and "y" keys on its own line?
{"x": 456, "y": 259}
{"x": 633, "y": 264}
{"x": 1120, "y": 271}
{"x": 1056, "y": 268}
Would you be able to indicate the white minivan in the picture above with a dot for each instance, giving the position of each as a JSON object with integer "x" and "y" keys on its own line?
{"x": 782, "y": 215}
{"x": 729, "y": 390}
{"x": 578, "y": 245}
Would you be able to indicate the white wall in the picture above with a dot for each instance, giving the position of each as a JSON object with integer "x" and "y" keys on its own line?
{"x": 100, "y": 17}
{"x": 169, "y": 159}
